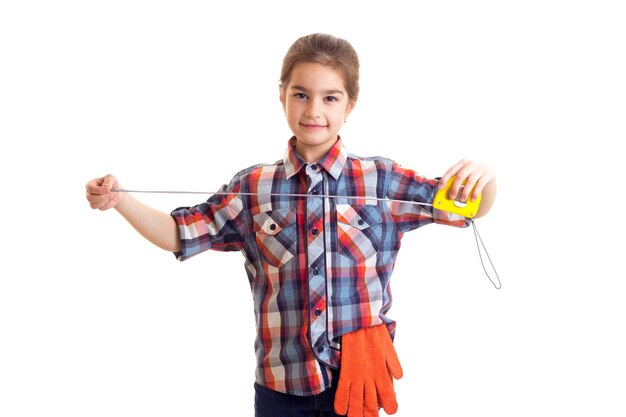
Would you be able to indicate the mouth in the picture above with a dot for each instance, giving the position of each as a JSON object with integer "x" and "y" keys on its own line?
{"x": 312, "y": 126}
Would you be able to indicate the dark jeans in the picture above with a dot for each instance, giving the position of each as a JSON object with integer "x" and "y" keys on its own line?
{"x": 268, "y": 403}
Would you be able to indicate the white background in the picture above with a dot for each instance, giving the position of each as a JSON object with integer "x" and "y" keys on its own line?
{"x": 94, "y": 321}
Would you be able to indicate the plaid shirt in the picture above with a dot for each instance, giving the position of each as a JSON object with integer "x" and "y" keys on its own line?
{"x": 318, "y": 267}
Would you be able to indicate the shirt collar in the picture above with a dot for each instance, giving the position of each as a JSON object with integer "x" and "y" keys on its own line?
{"x": 333, "y": 162}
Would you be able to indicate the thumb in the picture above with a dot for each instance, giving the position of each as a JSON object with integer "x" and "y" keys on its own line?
{"x": 393, "y": 363}
{"x": 108, "y": 181}
{"x": 342, "y": 396}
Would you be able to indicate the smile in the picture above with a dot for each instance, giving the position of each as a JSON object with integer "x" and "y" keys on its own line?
{"x": 312, "y": 127}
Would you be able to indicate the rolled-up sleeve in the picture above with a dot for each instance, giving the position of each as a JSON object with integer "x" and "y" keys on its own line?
{"x": 406, "y": 185}
{"x": 216, "y": 224}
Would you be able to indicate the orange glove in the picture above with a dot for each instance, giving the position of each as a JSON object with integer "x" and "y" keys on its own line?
{"x": 368, "y": 362}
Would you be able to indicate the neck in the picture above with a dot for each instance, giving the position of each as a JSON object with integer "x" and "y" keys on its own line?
{"x": 313, "y": 153}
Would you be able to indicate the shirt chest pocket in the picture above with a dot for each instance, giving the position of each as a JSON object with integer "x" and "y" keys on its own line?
{"x": 359, "y": 231}
{"x": 276, "y": 235}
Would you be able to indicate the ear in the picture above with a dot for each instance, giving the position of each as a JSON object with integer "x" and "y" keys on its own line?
{"x": 281, "y": 92}
{"x": 350, "y": 107}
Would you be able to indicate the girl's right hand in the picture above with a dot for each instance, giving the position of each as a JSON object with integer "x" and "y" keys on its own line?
{"x": 99, "y": 193}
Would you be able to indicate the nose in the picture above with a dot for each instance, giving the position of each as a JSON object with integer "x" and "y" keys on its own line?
{"x": 313, "y": 109}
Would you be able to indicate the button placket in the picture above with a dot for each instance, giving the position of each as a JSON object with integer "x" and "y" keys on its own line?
{"x": 316, "y": 261}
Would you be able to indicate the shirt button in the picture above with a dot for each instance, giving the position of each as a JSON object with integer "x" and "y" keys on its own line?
{"x": 360, "y": 222}
{"x": 320, "y": 349}
{"x": 272, "y": 226}
{"x": 318, "y": 312}
{"x": 315, "y": 192}
{"x": 314, "y": 167}
{"x": 316, "y": 271}
{"x": 314, "y": 232}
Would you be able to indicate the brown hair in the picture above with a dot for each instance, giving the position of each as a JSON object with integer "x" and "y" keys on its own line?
{"x": 327, "y": 50}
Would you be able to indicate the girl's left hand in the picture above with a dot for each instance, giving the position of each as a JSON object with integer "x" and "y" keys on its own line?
{"x": 477, "y": 175}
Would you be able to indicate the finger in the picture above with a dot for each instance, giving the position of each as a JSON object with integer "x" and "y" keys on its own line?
{"x": 460, "y": 186}
{"x": 469, "y": 185}
{"x": 451, "y": 172}
{"x": 97, "y": 201}
{"x": 387, "y": 396}
{"x": 481, "y": 184}
{"x": 97, "y": 186}
{"x": 370, "y": 401}
{"x": 108, "y": 181}
{"x": 457, "y": 184}
{"x": 94, "y": 186}
{"x": 341, "y": 397}
{"x": 98, "y": 198}
{"x": 355, "y": 408}
{"x": 111, "y": 203}
{"x": 96, "y": 206}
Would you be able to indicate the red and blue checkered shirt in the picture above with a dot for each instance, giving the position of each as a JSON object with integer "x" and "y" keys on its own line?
{"x": 318, "y": 266}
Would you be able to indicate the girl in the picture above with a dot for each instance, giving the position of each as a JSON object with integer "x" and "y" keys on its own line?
{"x": 319, "y": 234}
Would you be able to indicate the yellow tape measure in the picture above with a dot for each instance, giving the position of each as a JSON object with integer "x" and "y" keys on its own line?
{"x": 467, "y": 208}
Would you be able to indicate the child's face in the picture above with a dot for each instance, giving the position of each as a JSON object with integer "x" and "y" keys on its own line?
{"x": 316, "y": 105}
